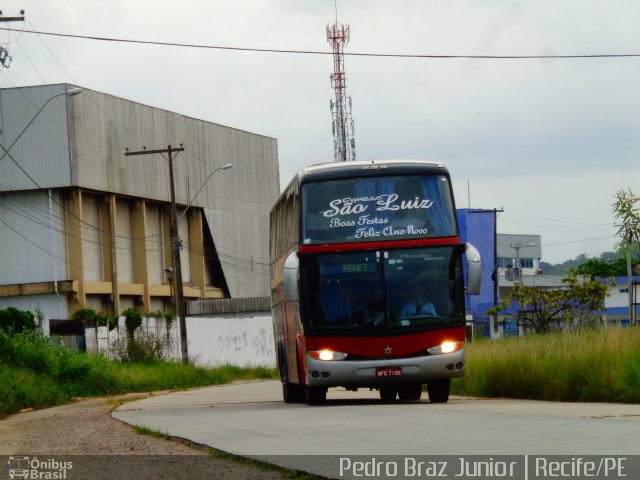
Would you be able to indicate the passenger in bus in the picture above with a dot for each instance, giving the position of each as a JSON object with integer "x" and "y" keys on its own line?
{"x": 419, "y": 305}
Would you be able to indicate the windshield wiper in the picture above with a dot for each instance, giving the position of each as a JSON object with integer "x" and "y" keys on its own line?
{"x": 361, "y": 327}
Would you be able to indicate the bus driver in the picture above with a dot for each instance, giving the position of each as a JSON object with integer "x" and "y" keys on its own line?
{"x": 419, "y": 305}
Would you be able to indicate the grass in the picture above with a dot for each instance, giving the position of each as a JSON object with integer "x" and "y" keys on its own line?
{"x": 36, "y": 372}
{"x": 587, "y": 366}
{"x": 162, "y": 375}
{"x": 583, "y": 366}
{"x": 151, "y": 433}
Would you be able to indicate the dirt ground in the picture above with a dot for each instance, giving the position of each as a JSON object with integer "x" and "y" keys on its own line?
{"x": 103, "y": 447}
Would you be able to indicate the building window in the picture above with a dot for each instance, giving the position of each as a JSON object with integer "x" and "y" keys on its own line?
{"x": 504, "y": 262}
{"x": 526, "y": 263}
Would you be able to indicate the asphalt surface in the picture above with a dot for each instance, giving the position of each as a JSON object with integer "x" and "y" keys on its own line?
{"x": 250, "y": 420}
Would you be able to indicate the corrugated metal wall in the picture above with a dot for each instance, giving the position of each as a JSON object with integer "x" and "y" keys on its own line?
{"x": 230, "y": 305}
{"x": 32, "y": 240}
{"x": 43, "y": 149}
{"x": 155, "y": 245}
{"x": 236, "y": 201}
{"x": 81, "y": 140}
{"x": 92, "y": 239}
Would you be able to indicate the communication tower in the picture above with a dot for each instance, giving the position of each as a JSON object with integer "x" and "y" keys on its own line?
{"x": 344, "y": 144}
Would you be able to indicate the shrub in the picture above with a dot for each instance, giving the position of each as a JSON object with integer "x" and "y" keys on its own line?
{"x": 30, "y": 350}
{"x": 88, "y": 316}
{"x": 13, "y": 320}
{"x": 142, "y": 348}
{"x": 132, "y": 321}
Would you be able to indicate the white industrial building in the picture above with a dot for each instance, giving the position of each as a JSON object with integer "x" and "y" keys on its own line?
{"x": 83, "y": 225}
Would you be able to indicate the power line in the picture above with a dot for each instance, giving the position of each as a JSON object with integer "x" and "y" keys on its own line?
{"x": 562, "y": 220}
{"x": 318, "y": 52}
{"x": 557, "y": 228}
{"x": 577, "y": 241}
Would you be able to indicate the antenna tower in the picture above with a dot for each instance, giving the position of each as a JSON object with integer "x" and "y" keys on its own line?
{"x": 344, "y": 144}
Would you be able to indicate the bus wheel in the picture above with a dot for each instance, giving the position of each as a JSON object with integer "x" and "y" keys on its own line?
{"x": 388, "y": 394}
{"x": 438, "y": 390}
{"x": 412, "y": 391}
{"x": 292, "y": 392}
{"x": 316, "y": 395}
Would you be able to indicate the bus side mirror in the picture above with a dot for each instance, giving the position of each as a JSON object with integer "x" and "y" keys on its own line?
{"x": 474, "y": 269}
{"x": 291, "y": 268}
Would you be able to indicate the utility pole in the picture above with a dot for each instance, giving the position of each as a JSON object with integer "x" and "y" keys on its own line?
{"x": 12, "y": 19}
{"x": 5, "y": 58}
{"x": 176, "y": 245}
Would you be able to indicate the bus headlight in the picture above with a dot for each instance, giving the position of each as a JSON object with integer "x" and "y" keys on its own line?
{"x": 327, "y": 355}
{"x": 446, "y": 347}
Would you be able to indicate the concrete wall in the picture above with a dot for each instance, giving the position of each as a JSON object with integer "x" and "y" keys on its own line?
{"x": 243, "y": 339}
{"x": 227, "y": 339}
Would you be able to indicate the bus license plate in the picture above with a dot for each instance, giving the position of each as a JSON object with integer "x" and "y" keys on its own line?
{"x": 388, "y": 372}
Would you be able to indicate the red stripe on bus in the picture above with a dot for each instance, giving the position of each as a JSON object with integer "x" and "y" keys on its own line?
{"x": 341, "y": 247}
{"x": 375, "y": 347}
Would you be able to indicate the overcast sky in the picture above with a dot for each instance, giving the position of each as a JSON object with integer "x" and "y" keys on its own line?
{"x": 548, "y": 140}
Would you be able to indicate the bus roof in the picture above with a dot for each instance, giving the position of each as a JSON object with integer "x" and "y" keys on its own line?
{"x": 349, "y": 169}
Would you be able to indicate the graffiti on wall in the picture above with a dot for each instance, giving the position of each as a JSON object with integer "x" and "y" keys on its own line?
{"x": 259, "y": 344}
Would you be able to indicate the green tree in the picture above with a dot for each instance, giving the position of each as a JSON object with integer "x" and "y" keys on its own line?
{"x": 543, "y": 309}
{"x": 626, "y": 211}
{"x": 595, "y": 267}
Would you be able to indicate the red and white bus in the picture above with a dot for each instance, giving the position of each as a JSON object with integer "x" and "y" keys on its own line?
{"x": 354, "y": 246}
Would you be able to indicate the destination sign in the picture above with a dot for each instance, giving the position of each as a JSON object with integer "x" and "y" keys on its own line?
{"x": 385, "y": 208}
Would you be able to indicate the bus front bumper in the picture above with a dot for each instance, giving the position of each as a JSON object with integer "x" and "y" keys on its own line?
{"x": 376, "y": 373}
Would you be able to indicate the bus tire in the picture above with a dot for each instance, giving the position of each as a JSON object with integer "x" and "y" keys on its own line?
{"x": 388, "y": 394}
{"x": 438, "y": 390}
{"x": 316, "y": 395}
{"x": 409, "y": 392}
{"x": 292, "y": 392}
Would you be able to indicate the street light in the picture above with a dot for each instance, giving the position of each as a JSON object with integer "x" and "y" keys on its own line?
{"x": 517, "y": 248}
{"x": 70, "y": 93}
{"x": 226, "y": 166}
{"x": 176, "y": 243}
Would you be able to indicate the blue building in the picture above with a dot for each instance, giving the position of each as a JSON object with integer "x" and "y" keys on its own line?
{"x": 508, "y": 260}
{"x": 478, "y": 227}
{"x": 617, "y": 301}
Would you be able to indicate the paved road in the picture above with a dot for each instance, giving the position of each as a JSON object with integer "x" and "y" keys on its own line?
{"x": 250, "y": 420}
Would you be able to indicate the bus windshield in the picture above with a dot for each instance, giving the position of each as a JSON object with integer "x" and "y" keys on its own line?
{"x": 382, "y": 292}
{"x": 377, "y": 208}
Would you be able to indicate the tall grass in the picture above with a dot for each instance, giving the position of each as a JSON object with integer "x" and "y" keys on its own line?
{"x": 583, "y": 366}
{"x": 163, "y": 375}
{"x": 37, "y": 371}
